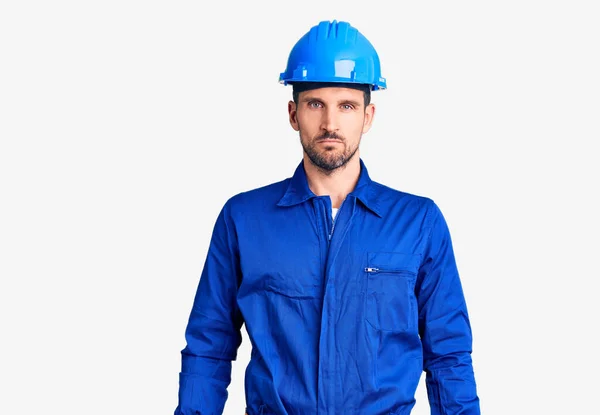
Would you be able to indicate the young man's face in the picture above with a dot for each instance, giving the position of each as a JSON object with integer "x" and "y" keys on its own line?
{"x": 331, "y": 122}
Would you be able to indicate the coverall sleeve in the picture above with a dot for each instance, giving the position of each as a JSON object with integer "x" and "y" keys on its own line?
{"x": 213, "y": 330}
{"x": 444, "y": 326}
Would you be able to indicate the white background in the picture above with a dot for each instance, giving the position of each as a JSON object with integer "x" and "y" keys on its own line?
{"x": 125, "y": 125}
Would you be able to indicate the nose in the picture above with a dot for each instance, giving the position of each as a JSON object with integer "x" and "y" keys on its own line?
{"x": 329, "y": 120}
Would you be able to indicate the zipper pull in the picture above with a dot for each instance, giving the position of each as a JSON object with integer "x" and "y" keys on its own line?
{"x": 370, "y": 269}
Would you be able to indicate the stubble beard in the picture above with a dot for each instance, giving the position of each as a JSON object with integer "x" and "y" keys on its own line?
{"x": 328, "y": 159}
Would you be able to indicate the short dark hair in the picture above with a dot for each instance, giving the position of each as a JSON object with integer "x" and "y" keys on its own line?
{"x": 298, "y": 87}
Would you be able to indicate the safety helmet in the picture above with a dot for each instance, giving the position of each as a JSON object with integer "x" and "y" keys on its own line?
{"x": 334, "y": 52}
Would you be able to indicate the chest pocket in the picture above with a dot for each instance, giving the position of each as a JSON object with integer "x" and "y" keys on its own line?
{"x": 391, "y": 304}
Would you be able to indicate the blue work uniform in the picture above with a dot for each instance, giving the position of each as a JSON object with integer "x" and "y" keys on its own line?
{"x": 343, "y": 314}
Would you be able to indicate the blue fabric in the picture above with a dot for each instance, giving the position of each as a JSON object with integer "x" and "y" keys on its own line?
{"x": 343, "y": 316}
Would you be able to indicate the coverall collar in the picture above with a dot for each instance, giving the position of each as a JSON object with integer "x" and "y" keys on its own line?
{"x": 298, "y": 190}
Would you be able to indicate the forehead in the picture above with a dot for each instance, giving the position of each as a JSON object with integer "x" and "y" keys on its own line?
{"x": 333, "y": 94}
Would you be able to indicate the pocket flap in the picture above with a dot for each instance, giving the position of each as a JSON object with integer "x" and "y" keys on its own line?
{"x": 293, "y": 286}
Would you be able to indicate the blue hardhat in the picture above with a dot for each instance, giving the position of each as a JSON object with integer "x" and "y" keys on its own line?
{"x": 334, "y": 52}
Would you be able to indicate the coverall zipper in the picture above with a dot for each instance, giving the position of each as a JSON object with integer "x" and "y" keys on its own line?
{"x": 334, "y": 219}
{"x": 375, "y": 270}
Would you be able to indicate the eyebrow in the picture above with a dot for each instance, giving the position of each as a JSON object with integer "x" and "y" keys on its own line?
{"x": 340, "y": 102}
{"x": 351, "y": 102}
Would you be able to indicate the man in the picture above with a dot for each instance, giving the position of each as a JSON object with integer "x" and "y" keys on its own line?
{"x": 349, "y": 289}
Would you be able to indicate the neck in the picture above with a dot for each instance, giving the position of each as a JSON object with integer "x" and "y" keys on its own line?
{"x": 337, "y": 184}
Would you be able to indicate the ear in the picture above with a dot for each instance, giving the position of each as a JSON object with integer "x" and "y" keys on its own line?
{"x": 369, "y": 114}
{"x": 292, "y": 112}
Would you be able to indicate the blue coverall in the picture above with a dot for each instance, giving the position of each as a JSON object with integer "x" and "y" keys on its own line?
{"x": 343, "y": 314}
